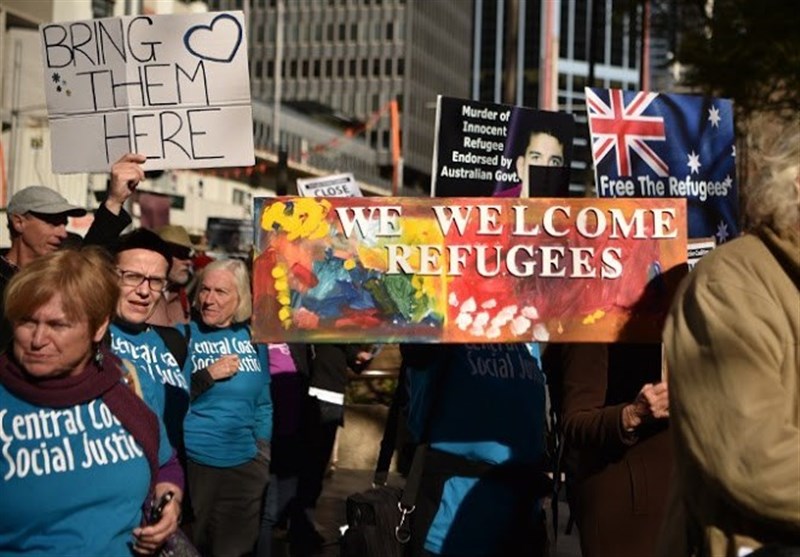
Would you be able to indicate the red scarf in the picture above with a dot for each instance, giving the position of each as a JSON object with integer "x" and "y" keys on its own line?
{"x": 96, "y": 381}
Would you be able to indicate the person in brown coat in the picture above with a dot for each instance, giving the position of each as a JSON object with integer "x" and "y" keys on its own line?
{"x": 617, "y": 446}
{"x": 732, "y": 341}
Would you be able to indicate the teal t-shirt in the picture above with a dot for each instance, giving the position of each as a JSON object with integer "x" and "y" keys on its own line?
{"x": 224, "y": 423}
{"x": 491, "y": 408}
{"x": 159, "y": 373}
{"x": 72, "y": 480}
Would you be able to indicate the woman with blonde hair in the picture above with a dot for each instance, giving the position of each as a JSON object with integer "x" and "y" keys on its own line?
{"x": 229, "y": 424}
{"x": 82, "y": 453}
{"x": 733, "y": 349}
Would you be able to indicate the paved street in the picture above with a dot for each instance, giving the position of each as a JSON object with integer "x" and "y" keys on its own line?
{"x": 331, "y": 513}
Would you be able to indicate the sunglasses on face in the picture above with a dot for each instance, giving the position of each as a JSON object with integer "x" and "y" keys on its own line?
{"x": 58, "y": 219}
{"x": 182, "y": 253}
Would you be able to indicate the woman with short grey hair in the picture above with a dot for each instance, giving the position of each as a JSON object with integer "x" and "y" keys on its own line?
{"x": 229, "y": 425}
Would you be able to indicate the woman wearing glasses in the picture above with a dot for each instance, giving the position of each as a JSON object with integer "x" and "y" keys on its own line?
{"x": 229, "y": 424}
{"x": 81, "y": 451}
{"x": 142, "y": 265}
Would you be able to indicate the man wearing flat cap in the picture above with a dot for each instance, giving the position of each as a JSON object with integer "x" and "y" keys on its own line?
{"x": 37, "y": 223}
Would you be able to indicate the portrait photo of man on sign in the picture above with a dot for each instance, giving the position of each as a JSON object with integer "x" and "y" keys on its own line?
{"x": 542, "y": 162}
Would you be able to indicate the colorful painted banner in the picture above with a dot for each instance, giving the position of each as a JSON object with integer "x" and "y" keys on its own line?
{"x": 465, "y": 269}
{"x": 485, "y": 149}
{"x": 665, "y": 145}
{"x": 175, "y": 88}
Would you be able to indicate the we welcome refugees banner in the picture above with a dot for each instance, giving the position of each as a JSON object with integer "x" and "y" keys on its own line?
{"x": 175, "y": 88}
{"x": 465, "y": 269}
{"x": 665, "y": 145}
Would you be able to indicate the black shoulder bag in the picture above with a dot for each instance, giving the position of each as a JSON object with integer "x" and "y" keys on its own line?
{"x": 378, "y": 519}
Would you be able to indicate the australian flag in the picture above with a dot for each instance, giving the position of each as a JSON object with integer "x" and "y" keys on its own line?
{"x": 664, "y": 145}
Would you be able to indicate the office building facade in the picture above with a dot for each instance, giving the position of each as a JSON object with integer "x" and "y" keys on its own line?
{"x": 344, "y": 60}
{"x": 542, "y": 53}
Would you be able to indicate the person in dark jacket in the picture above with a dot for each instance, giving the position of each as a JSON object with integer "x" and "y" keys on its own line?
{"x": 323, "y": 414}
{"x": 615, "y": 407}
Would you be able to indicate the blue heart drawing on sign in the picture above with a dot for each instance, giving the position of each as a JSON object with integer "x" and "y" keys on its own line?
{"x": 199, "y": 33}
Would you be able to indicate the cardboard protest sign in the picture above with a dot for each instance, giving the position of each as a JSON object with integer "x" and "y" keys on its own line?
{"x": 336, "y": 185}
{"x": 465, "y": 270}
{"x": 665, "y": 145}
{"x": 485, "y": 149}
{"x": 172, "y": 87}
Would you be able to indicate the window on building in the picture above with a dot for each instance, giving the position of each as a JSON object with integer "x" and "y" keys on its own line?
{"x": 318, "y": 32}
{"x": 387, "y": 67}
{"x": 376, "y": 101}
{"x": 342, "y": 32}
{"x": 317, "y": 68}
{"x": 328, "y": 68}
{"x": 102, "y": 8}
{"x": 386, "y": 139}
{"x": 579, "y": 31}
{"x": 401, "y": 66}
{"x": 305, "y": 72}
{"x": 340, "y": 68}
{"x": 376, "y": 31}
{"x": 259, "y": 68}
{"x": 353, "y": 66}
{"x": 331, "y": 32}
{"x": 354, "y": 32}
{"x": 376, "y": 68}
{"x": 293, "y": 68}
{"x": 390, "y": 31}
{"x": 364, "y": 68}
{"x": 270, "y": 68}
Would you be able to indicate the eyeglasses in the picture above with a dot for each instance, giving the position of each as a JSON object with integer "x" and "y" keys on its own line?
{"x": 132, "y": 278}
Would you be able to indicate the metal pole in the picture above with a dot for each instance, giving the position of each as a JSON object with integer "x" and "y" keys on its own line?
{"x": 15, "y": 82}
{"x": 590, "y": 40}
{"x": 246, "y": 12}
{"x": 276, "y": 119}
{"x": 498, "y": 51}
{"x": 520, "y": 96}
{"x": 477, "y": 24}
{"x": 644, "y": 62}
{"x": 511, "y": 29}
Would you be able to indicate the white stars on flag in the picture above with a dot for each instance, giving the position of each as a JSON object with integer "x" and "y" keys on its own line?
{"x": 714, "y": 117}
{"x": 722, "y": 232}
{"x": 694, "y": 162}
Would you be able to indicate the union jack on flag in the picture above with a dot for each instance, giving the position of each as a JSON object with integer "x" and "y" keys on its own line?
{"x": 618, "y": 127}
{"x": 668, "y": 146}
